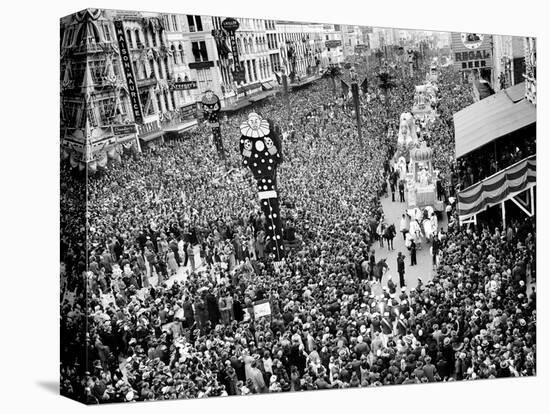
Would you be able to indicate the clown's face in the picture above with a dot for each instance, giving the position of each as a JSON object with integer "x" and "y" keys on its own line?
{"x": 254, "y": 122}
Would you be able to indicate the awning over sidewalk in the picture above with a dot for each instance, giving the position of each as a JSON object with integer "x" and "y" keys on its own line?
{"x": 492, "y": 118}
{"x": 151, "y": 136}
{"x": 182, "y": 126}
{"x": 267, "y": 86}
{"x": 304, "y": 82}
{"x": 259, "y": 96}
{"x": 241, "y": 103}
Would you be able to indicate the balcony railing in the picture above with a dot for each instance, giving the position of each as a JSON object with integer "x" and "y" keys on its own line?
{"x": 91, "y": 47}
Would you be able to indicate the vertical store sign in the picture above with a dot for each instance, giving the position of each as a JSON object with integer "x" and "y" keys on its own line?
{"x": 231, "y": 25}
{"x": 128, "y": 72}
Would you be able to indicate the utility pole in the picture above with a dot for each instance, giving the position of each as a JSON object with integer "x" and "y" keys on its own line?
{"x": 356, "y": 103}
{"x": 285, "y": 90}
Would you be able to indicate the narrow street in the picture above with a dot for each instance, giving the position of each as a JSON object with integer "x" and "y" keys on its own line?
{"x": 423, "y": 269}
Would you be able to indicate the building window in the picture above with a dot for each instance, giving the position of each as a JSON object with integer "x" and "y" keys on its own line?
{"x": 91, "y": 117}
{"x": 175, "y": 23}
{"x": 200, "y": 51}
{"x": 129, "y": 38}
{"x": 106, "y": 109}
{"x": 138, "y": 40}
{"x": 204, "y": 51}
{"x": 204, "y": 79}
{"x": 254, "y": 64}
{"x": 181, "y": 53}
{"x": 195, "y": 23}
{"x": 106, "y": 32}
{"x": 174, "y": 54}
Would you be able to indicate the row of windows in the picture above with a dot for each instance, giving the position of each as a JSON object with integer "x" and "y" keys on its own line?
{"x": 137, "y": 38}
{"x": 174, "y": 24}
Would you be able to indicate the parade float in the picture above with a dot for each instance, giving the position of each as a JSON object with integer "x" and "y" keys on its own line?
{"x": 432, "y": 75}
{"x": 407, "y": 138}
{"x": 425, "y": 100}
{"x": 422, "y": 180}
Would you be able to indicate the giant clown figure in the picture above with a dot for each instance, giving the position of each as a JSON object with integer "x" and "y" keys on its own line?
{"x": 261, "y": 151}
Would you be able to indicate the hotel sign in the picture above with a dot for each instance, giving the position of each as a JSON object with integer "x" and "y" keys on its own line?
{"x": 472, "y": 51}
{"x": 128, "y": 70}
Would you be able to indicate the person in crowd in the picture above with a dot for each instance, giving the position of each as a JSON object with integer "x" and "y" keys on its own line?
{"x": 413, "y": 253}
{"x": 401, "y": 269}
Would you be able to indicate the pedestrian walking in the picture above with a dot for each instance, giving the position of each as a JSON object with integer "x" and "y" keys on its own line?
{"x": 413, "y": 253}
{"x": 404, "y": 226}
{"x": 401, "y": 191}
{"x": 401, "y": 269}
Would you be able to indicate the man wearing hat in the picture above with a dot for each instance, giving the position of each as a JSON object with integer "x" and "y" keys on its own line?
{"x": 391, "y": 285}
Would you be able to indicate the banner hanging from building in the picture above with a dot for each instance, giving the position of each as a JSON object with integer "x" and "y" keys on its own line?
{"x": 128, "y": 72}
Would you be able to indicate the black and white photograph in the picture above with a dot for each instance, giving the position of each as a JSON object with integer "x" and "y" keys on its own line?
{"x": 254, "y": 206}
{"x": 274, "y": 207}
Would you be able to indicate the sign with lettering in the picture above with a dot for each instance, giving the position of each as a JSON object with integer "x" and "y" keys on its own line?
{"x": 239, "y": 76}
{"x": 201, "y": 65}
{"x": 230, "y": 24}
{"x": 333, "y": 43}
{"x": 472, "y": 50}
{"x": 361, "y": 48}
{"x": 262, "y": 308}
{"x": 189, "y": 111}
{"x": 183, "y": 86}
{"x": 124, "y": 129}
{"x": 128, "y": 70}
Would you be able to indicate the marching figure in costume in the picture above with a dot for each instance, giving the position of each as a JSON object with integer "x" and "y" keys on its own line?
{"x": 261, "y": 150}
{"x": 211, "y": 107}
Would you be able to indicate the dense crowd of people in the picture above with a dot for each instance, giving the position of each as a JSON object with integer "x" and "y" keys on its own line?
{"x": 176, "y": 264}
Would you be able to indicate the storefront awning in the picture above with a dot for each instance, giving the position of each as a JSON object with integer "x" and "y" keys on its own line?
{"x": 304, "y": 82}
{"x": 241, "y": 103}
{"x": 267, "y": 86}
{"x": 151, "y": 136}
{"x": 259, "y": 96}
{"x": 491, "y": 118}
{"x": 181, "y": 126}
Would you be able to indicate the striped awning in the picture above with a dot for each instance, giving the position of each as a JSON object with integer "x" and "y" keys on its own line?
{"x": 498, "y": 188}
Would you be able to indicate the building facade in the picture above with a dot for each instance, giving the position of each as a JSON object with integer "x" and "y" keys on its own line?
{"x": 128, "y": 75}
{"x": 508, "y": 61}
{"x": 96, "y": 113}
{"x": 530, "y": 47}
